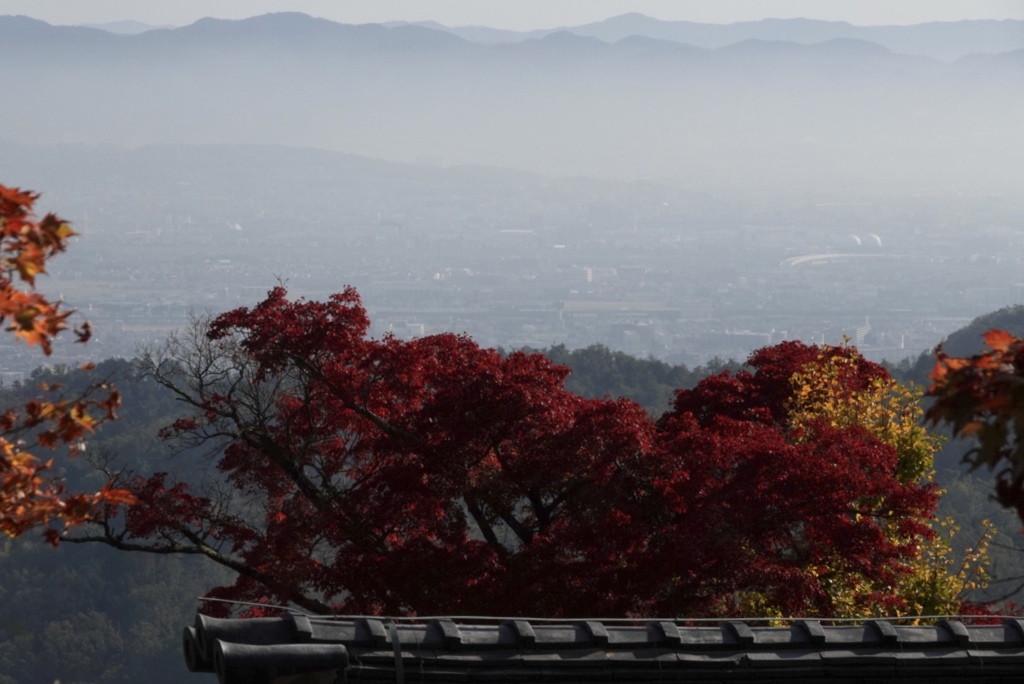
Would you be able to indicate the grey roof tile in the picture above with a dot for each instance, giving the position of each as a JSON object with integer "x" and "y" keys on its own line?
{"x": 315, "y": 650}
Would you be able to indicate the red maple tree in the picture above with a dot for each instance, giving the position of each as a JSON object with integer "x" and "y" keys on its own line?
{"x": 29, "y": 496}
{"x": 982, "y": 397}
{"x": 791, "y": 514}
{"x": 431, "y": 476}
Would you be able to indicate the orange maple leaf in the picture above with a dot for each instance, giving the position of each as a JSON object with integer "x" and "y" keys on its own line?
{"x": 999, "y": 340}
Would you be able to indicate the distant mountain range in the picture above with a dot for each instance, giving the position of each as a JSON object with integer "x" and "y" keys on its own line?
{"x": 941, "y": 40}
{"x": 757, "y": 113}
{"x": 129, "y": 27}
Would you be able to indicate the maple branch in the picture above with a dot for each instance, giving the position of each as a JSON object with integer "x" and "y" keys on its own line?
{"x": 523, "y": 532}
{"x": 199, "y": 547}
{"x": 485, "y": 527}
{"x": 342, "y": 395}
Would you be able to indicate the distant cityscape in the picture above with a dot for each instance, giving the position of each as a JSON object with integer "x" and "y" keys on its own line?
{"x": 683, "y": 191}
{"x": 512, "y": 259}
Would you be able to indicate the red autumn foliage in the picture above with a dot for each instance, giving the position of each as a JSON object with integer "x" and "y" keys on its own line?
{"x": 982, "y": 397}
{"x": 432, "y": 476}
{"x": 29, "y": 497}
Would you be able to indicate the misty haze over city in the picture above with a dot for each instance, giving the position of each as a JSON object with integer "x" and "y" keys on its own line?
{"x": 667, "y": 188}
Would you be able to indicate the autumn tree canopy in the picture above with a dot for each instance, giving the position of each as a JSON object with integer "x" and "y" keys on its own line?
{"x": 29, "y": 497}
{"x": 982, "y": 397}
{"x": 429, "y": 476}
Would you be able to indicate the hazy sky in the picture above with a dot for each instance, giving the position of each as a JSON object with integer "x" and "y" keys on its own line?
{"x": 517, "y": 14}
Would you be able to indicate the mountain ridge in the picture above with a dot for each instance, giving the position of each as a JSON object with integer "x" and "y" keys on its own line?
{"x": 304, "y": 31}
{"x": 944, "y": 40}
{"x": 758, "y": 112}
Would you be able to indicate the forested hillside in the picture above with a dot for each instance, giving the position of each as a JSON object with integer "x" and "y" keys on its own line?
{"x": 964, "y": 342}
{"x": 598, "y": 371}
{"x": 114, "y": 617}
{"x": 88, "y": 612}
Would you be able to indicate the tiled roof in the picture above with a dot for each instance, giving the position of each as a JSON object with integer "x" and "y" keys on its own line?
{"x": 298, "y": 649}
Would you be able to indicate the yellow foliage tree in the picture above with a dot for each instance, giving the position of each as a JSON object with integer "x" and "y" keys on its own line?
{"x": 892, "y": 413}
